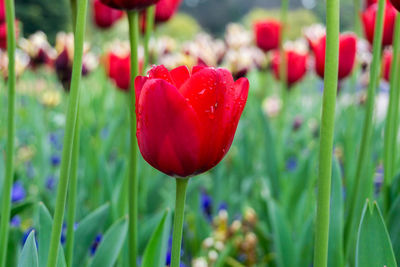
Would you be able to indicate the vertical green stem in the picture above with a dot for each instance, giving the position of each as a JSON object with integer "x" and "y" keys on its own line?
{"x": 181, "y": 185}
{"x": 150, "y": 12}
{"x": 133, "y": 19}
{"x": 72, "y": 114}
{"x": 354, "y": 214}
{"x": 391, "y": 126}
{"x": 73, "y": 186}
{"x": 9, "y": 175}
{"x": 283, "y": 66}
{"x": 73, "y": 14}
{"x": 357, "y": 21}
{"x": 327, "y": 131}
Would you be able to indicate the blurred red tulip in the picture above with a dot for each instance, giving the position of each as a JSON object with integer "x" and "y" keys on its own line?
{"x": 104, "y": 16}
{"x": 347, "y": 55}
{"x": 165, "y": 9}
{"x": 119, "y": 70}
{"x": 267, "y": 34}
{"x": 3, "y": 34}
{"x": 369, "y": 19}
{"x": 396, "y": 4}
{"x": 296, "y": 63}
{"x": 2, "y": 11}
{"x": 387, "y": 64}
{"x": 186, "y": 121}
{"x": 129, "y": 4}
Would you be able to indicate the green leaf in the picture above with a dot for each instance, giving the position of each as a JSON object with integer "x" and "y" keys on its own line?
{"x": 154, "y": 254}
{"x": 335, "y": 253}
{"x": 110, "y": 247}
{"x": 21, "y": 207}
{"x": 374, "y": 248}
{"x": 394, "y": 227}
{"x": 29, "y": 256}
{"x": 45, "y": 226}
{"x": 87, "y": 231}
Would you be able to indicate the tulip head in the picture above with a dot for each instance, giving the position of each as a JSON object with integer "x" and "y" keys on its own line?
{"x": 396, "y": 4}
{"x": 3, "y": 34}
{"x": 165, "y": 9}
{"x": 2, "y": 11}
{"x": 369, "y": 19}
{"x": 296, "y": 56}
{"x": 103, "y": 16}
{"x": 186, "y": 121}
{"x": 347, "y": 55}
{"x": 387, "y": 64}
{"x": 267, "y": 34}
{"x": 129, "y": 4}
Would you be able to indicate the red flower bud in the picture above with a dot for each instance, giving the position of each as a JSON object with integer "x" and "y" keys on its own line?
{"x": 104, "y": 16}
{"x": 369, "y": 19}
{"x": 186, "y": 121}
{"x": 119, "y": 70}
{"x": 165, "y": 9}
{"x": 387, "y": 64}
{"x": 3, "y": 34}
{"x": 267, "y": 34}
{"x": 296, "y": 64}
{"x": 396, "y": 4}
{"x": 129, "y": 4}
{"x": 347, "y": 55}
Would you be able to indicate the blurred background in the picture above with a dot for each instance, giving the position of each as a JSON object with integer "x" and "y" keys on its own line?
{"x": 212, "y": 15}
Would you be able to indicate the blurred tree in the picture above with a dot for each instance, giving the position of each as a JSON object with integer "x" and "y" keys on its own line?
{"x": 49, "y": 16}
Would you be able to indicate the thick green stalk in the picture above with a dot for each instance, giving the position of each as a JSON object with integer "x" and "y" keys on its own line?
{"x": 73, "y": 187}
{"x": 9, "y": 175}
{"x": 327, "y": 131}
{"x": 392, "y": 119}
{"x": 69, "y": 133}
{"x": 150, "y": 12}
{"x": 133, "y": 19}
{"x": 181, "y": 185}
{"x": 73, "y": 14}
{"x": 354, "y": 214}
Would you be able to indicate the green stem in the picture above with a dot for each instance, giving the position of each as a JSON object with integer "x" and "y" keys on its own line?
{"x": 283, "y": 66}
{"x": 357, "y": 21}
{"x": 73, "y": 14}
{"x": 181, "y": 185}
{"x": 392, "y": 119}
{"x": 150, "y": 13}
{"x": 327, "y": 131}
{"x": 367, "y": 129}
{"x": 72, "y": 114}
{"x": 9, "y": 175}
{"x": 73, "y": 186}
{"x": 133, "y": 19}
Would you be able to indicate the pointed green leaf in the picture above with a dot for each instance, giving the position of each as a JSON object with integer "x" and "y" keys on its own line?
{"x": 110, "y": 247}
{"x": 29, "y": 256}
{"x": 154, "y": 254}
{"x": 87, "y": 231}
{"x": 374, "y": 248}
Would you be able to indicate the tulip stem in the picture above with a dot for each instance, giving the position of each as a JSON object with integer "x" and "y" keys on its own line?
{"x": 73, "y": 186}
{"x": 72, "y": 114}
{"x": 283, "y": 63}
{"x": 327, "y": 132}
{"x": 364, "y": 152}
{"x": 391, "y": 126}
{"x": 357, "y": 21}
{"x": 181, "y": 185}
{"x": 150, "y": 13}
{"x": 9, "y": 175}
{"x": 133, "y": 19}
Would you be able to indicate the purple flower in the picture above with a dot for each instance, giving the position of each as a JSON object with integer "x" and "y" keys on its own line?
{"x": 18, "y": 192}
{"x": 291, "y": 164}
{"x": 26, "y": 234}
{"x": 206, "y": 204}
{"x": 51, "y": 182}
{"x": 55, "y": 160}
{"x": 222, "y": 206}
{"x": 15, "y": 221}
{"x": 95, "y": 244}
{"x": 378, "y": 180}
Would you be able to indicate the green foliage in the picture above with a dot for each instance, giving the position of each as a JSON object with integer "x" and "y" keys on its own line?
{"x": 48, "y": 16}
{"x": 297, "y": 19}
{"x": 29, "y": 256}
{"x": 180, "y": 27}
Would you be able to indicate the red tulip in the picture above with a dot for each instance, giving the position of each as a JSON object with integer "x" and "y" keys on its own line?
{"x": 387, "y": 64}
{"x": 2, "y": 11}
{"x": 396, "y": 4}
{"x": 3, "y": 34}
{"x": 104, "y": 16}
{"x": 129, "y": 4}
{"x": 119, "y": 70}
{"x": 267, "y": 34}
{"x": 369, "y": 19}
{"x": 186, "y": 121}
{"x": 347, "y": 55}
{"x": 165, "y": 9}
{"x": 296, "y": 63}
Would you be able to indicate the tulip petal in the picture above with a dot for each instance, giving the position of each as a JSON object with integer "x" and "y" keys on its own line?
{"x": 160, "y": 72}
{"x": 169, "y": 132}
{"x": 180, "y": 75}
